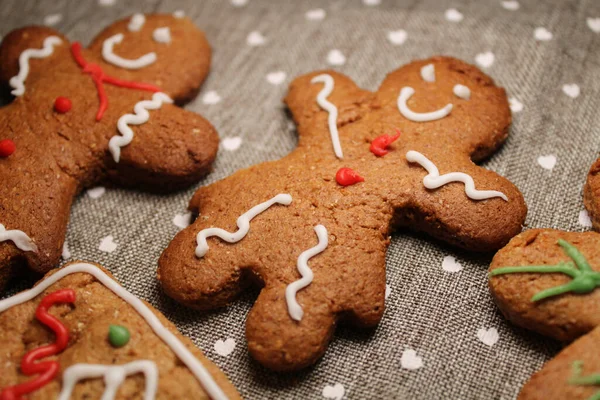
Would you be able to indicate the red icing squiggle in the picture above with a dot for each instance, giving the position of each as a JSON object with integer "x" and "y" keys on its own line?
{"x": 100, "y": 78}
{"x": 347, "y": 177}
{"x": 379, "y": 144}
{"x": 47, "y": 370}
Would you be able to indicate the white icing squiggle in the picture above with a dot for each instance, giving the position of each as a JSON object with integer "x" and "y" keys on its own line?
{"x": 331, "y": 109}
{"x": 162, "y": 35}
{"x": 136, "y": 22}
{"x": 19, "y": 238}
{"x": 462, "y": 91}
{"x": 428, "y": 73}
{"x": 294, "y": 309}
{"x": 243, "y": 223}
{"x": 17, "y": 82}
{"x": 433, "y": 180}
{"x": 108, "y": 53}
{"x": 182, "y": 352}
{"x": 405, "y": 94}
{"x": 113, "y": 375}
{"x": 141, "y": 116}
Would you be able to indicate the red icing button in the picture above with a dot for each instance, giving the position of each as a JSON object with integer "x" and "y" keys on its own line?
{"x": 379, "y": 144}
{"x": 347, "y": 177}
{"x": 7, "y": 147}
{"x": 62, "y": 105}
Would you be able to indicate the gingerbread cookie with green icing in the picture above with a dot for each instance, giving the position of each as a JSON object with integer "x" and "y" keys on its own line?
{"x": 81, "y": 116}
{"x": 548, "y": 281}
{"x": 312, "y": 229}
{"x": 79, "y": 334}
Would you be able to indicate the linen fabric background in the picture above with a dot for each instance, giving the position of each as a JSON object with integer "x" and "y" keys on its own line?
{"x": 443, "y": 322}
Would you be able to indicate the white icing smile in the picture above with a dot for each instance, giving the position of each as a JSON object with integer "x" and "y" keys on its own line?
{"x": 110, "y": 56}
{"x": 405, "y": 94}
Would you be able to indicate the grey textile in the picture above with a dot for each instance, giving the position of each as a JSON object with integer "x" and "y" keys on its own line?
{"x": 434, "y": 312}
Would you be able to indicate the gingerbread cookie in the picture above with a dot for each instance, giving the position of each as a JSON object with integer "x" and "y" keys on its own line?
{"x": 84, "y": 115}
{"x": 549, "y": 281}
{"x": 313, "y": 227}
{"x": 79, "y": 334}
{"x": 591, "y": 194}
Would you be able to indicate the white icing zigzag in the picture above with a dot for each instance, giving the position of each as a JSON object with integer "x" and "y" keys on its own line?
{"x": 17, "y": 82}
{"x": 186, "y": 357}
{"x": 19, "y": 238}
{"x": 331, "y": 109}
{"x": 243, "y": 223}
{"x": 433, "y": 180}
{"x": 113, "y": 375}
{"x": 108, "y": 53}
{"x": 294, "y": 309}
{"x": 405, "y": 94}
{"x": 141, "y": 116}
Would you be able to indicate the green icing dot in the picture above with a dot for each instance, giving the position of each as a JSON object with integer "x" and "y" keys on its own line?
{"x": 118, "y": 335}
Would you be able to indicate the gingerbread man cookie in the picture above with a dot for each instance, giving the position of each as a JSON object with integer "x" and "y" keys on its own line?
{"x": 549, "y": 281}
{"x": 79, "y": 334}
{"x": 591, "y": 194}
{"x": 312, "y": 228}
{"x": 84, "y": 115}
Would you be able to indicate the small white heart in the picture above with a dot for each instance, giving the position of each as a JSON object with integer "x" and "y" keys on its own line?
{"x": 485, "y": 59}
{"x": 594, "y": 24}
{"x": 572, "y": 90}
{"x": 211, "y": 97}
{"x": 335, "y": 392}
{"x": 255, "y": 38}
{"x": 107, "y": 244}
{"x": 410, "y": 360}
{"x": 371, "y": 2}
{"x": 515, "y": 105}
{"x": 276, "y": 78}
{"x": 232, "y": 143}
{"x": 388, "y": 291}
{"x": 182, "y": 221}
{"x": 511, "y": 5}
{"x": 542, "y": 34}
{"x": 584, "y": 219}
{"x": 453, "y": 15}
{"x": 239, "y": 3}
{"x": 449, "y": 264}
{"x": 315, "y": 15}
{"x": 53, "y": 19}
{"x": 107, "y": 3}
{"x": 224, "y": 348}
{"x": 66, "y": 254}
{"x": 179, "y": 13}
{"x": 97, "y": 192}
{"x": 488, "y": 336}
{"x": 397, "y": 37}
{"x": 547, "y": 162}
{"x": 336, "y": 57}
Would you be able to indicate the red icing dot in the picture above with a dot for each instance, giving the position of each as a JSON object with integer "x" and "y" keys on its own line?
{"x": 379, "y": 144}
{"x": 7, "y": 147}
{"x": 347, "y": 177}
{"x": 62, "y": 105}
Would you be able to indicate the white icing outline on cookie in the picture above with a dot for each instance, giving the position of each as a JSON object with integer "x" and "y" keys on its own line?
{"x": 109, "y": 55}
{"x": 17, "y": 82}
{"x": 19, "y": 238}
{"x": 331, "y": 109}
{"x": 405, "y": 94}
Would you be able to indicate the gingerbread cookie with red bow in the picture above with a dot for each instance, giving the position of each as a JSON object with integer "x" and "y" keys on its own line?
{"x": 79, "y": 334}
{"x": 548, "y": 281}
{"x": 80, "y": 116}
{"x": 312, "y": 229}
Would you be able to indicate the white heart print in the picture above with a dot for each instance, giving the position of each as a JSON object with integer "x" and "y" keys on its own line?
{"x": 315, "y": 15}
{"x": 594, "y": 24}
{"x": 232, "y": 143}
{"x": 542, "y": 34}
{"x": 488, "y": 336}
{"x": 239, "y": 3}
{"x": 572, "y": 90}
{"x": 255, "y": 38}
{"x": 397, "y": 37}
{"x": 388, "y": 291}
{"x": 182, "y": 221}
{"x": 224, "y": 348}
{"x": 485, "y": 59}
{"x": 107, "y": 3}
{"x": 179, "y": 13}
{"x": 52, "y": 19}
{"x": 97, "y": 192}
{"x": 410, "y": 360}
{"x": 449, "y": 264}
{"x": 584, "y": 219}
{"x": 336, "y": 57}
{"x": 335, "y": 392}
{"x": 107, "y": 244}
{"x": 547, "y": 162}
{"x": 453, "y": 15}
{"x": 211, "y": 97}
{"x": 66, "y": 253}
{"x": 371, "y": 2}
{"x": 276, "y": 78}
{"x": 515, "y": 105}
{"x": 511, "y": 5}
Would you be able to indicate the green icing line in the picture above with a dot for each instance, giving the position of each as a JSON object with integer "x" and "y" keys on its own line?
{"x": 579, "y": 380}
{"x": 584, "y": 278}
